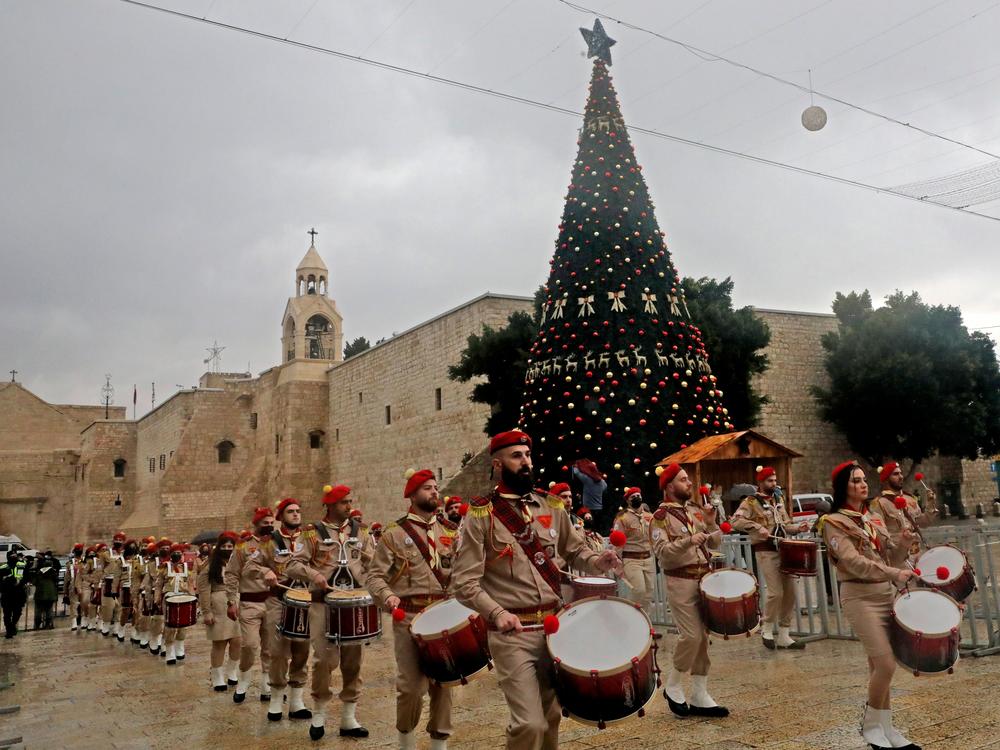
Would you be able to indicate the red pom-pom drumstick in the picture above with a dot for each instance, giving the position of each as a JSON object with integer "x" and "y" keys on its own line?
{"x": 550, "y": 624}
{"x": 919, "y": 476}
{"x": 916, "y": 571}
{"x": 942, "y": 573}
{"x": 704, "y": 490}
{"x": 726, "y": 527}
{"x": 617, "y": 538}
{"x": 398, "y": 615}
{"x": 463, "y": 509}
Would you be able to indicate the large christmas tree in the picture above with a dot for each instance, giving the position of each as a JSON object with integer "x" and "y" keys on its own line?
{"x": 618, "y": 372}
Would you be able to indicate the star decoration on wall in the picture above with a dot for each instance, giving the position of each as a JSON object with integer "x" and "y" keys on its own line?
{"x": 598, "y": 43}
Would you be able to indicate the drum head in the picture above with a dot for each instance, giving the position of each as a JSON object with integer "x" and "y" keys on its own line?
{"x": 349, "y": 596}
{"x": 601, "y": 634}
{"x": 181, "y": 598}
{"x": 596, "y": 581}
{"x": 928, "y": 612}
{"x": 298, "y": 595}
{"x": 728, "y": 584}
{"x": 439, "y": 617}
{"x": 950, "y": 557}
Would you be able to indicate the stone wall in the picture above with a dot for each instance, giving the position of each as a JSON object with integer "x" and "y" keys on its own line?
{"x": 104, "y": 500}
{"x": 38, "y": 490}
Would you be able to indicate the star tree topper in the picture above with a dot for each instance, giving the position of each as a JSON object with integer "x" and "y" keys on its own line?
{"x": 598, "y": 43}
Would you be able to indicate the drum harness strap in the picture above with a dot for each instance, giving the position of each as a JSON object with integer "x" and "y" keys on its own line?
{"x": 508, "y": 514}
{"x": 279, "y": 541}
{"x": 681, "y": 515}
{"x": 343, "y": 567}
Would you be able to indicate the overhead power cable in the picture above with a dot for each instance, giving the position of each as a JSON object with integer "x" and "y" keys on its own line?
{"x": 537, "y": 104}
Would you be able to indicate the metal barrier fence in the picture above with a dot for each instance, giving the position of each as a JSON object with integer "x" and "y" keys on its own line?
{"x": 818, "y": 613}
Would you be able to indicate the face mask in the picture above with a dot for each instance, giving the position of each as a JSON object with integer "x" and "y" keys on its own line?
{"x": 225, "y": 553}
{"x": 588, "y": 523}
{"x": 264, "y": 530}
{"x": 635, "y": 501}
{"x": 175, "y": 557}
{"x": 455, "y": 517}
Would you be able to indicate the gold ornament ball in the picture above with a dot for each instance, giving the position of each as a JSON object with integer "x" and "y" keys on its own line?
{"x": 569, "y": 378}
{"x": 607, "y": 420}
{"x": 618, "y": 467}
{"x": 642, "y": 386}
{"x": 587, "y": 436}
{"x": 570, "y": 405}
{"x": 652, "y": 445}
{"x": 647, "y": 371}
{"x": 670, "y": 423}
{"x": 631, "y": 402}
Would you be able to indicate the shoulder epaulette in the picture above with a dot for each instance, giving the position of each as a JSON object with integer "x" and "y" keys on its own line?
{"x": 554, "y": 501}
{"x": 660, "y": 514}
{"x": 480, "y": 507}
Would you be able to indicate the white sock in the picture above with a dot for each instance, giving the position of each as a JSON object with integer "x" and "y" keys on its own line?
{"x": 319, "y": 714}
{"x": 233, "y": 670}
{"x": 895, "y": 737}
{"x": 295, "y": 702}
{"x": 347, "y": 717}
{"x": 277, "y": 701}
{"x": 407, "y": 741}
{"x": 171, "y": 653}
{"x": 675, "y": 685}
{"x": 218, "y": 679}
{"x": 699, "y": 692}
{"x": 244, "y": 681}
{"x": 784, "y": 639}
{"x": 871, "y": 728}
{"x": 441, "y": 744}
{"x": 767, "y": 630}
{"x": 180, "y": 648}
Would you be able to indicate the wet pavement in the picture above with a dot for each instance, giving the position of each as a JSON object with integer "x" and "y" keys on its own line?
{"x": 84, "y": 691}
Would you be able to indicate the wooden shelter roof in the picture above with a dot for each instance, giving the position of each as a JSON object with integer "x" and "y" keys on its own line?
{"x": 725, "y": 447}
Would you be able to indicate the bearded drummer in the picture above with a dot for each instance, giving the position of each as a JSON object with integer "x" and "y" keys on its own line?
{"x": 176, "y": 577}
{"x": 505, "y": 568}
{"x": 900, "y": 513}
{"x": 410, "y": 571}
{"x": 763, "y": 517}
{"x": 681, "y": 533}
{"x": 637, "y": 554}
{"x": 861, "y": 549}
{"x": 317, "y": 562}
{"x": 247, "y": 593}
{"x": 289, "y": 656}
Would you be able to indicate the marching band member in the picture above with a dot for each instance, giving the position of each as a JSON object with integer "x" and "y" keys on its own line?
{"x": 156, "y": 619}
{"x": 222, "y": 632}
{"x": 680, "y": 532}
{"x": 139, "y": 587}
{"x": 247, "y": 593}
{"x": 411, "y": 570}
{"x": 860, "y": 550}
{"x": 73, "y": 594}
{"x": 594, "y": 540}
{"x": 122, "y": 585}
{"x": 174, "y": 578}
{"x": 761, "y": 516}
{"x": 289, "y": 656}
{"x": 317, "y": 562}
{"x": 94, "y": 579}
{"x": 637, "y": 554}
{"x": 109, "y": 601}
{"x": 900, "y": 513}
{"x": 504, "y": 569}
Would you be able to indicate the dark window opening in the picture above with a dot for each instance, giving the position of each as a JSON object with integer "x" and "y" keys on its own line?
{"x": 152, "y": 465}
{"x": 253, "y": 420}
{"x": 225, "y": 449}
{"x": 437, "y": 399}
{"x": 120, "y": 464}
{"x": 163, "y": 461}
{"x": 361, "y": 397}
{"x": 277, "y": 443}
{"x": 316, "y": 439}
{"x": 388, "y": 415}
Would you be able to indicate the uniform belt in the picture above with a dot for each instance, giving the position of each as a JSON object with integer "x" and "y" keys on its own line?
{"x": 858, "y": 580}
{"x": 636, "y": 555}
{"x": 255, "y": 596}
{"x": 414, "y": 605}
{"x": 763, "y": 547}
{"x": 690, "y": 572}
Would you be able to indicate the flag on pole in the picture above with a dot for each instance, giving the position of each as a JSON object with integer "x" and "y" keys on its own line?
{"x": 135, "y": 395}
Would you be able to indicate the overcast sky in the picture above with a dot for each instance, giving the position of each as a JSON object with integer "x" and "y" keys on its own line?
{"x": 158, "y": 175}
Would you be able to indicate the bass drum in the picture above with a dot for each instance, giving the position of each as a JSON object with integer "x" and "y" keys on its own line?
{"x": 451, "y": 643}
{"x": 730, "y": 603}
{"x": 925, "y": 631}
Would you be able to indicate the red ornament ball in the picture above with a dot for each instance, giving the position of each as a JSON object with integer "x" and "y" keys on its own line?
{"x": 899, "y": 502}
{"x": 917, "y": 571}
{"x": 919, "y": 476}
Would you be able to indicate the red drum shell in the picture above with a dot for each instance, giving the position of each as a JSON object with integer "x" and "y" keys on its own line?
{"x": 919, "y": 651}
{"x": 294, "y": 621}
{"x": 108, "y": 587}
{"x": 455, "y": 655}
{"x": 797, "y": 557}
{"x": 352, "y": 617}
{"x": 586, "y": 587}
{"x": 737, "y": 614}
{"x": 125, "y": 597}
{"x": 182, "y": 611}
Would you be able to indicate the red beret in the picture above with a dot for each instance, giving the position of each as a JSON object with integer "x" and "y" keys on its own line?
{"x": 629, "y": 491}
{"x": 101, "y": 545}
{"x": 245, "y": 534}
{"x": 416, "y": 480}
{"x": 164, "y": 542}
{"x": 284, "y": 504}
{"x": 376, "y": 526}
{"x": 164, "y": 551}
{"x": 507, "y": 439}
{"x": 840, "y": 467}
{"x": 261, "y": 513}
{"x": 583, "y": 510}
{"x": 178, "y": 547}
{"x": 228, "y": 536}
{"x": 764, "y": 473}
{"x": 668, "y": 474}
{"x": 559, "y": 488}
{"x": 355, "y": 513}
{"x": 453, "y": 500}
{"x": 151, "y": 548}
{"x": 119, "y": 536}
{"x": 890, "y": 466}
{"x": 335, "y": 494}
{"x": 77, "y": 546}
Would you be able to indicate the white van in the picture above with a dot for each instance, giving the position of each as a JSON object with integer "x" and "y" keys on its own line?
{"x": 12, "y": 542}
{"x": 804, "y": 506}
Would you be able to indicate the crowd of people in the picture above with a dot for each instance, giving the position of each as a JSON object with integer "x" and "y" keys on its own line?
{"x": 21, "y": 573}
{"x": 506, "y": 557}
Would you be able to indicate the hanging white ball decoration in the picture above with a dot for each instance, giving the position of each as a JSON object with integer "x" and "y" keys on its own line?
{"x": 814, "y": 118}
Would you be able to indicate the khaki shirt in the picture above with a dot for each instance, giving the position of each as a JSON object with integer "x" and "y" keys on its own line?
{"x": 635, "y": 525}
{"x": 317, "y": 555}
{"x": 271, "y": 557}
{"x": 671, "y": 538}
{"x": 239, "y": 579}
{"x": 173, "y": 577}
{"x": 491, "y": 571}
{"x": 760, "y": 514}
{"x": 895, "y": 522}
{"x": 399, "y": 568}
{"x": 206, "y": 588}
{"x": 854, "y": 551}
{"x": 76, "y": 576}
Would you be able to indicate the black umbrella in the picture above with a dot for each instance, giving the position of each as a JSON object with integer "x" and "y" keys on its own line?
{"x": 739, "y": 491}
{"x": 205, "y": 536}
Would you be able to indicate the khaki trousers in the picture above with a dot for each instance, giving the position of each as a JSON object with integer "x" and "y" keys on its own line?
{"x": 524, "y": 670}
{"x": 779, "y": 603}
{"x": 412, "y": 685}
{"x": 691, "y": 649}
{"x": 328, "y": 656}
{"x": 639, "y": 576}
{"x": 289, "y": 657}
{"x": 254, "y": 636}
{"x": 109, "y": 608}
{"x": 155, "y": 626}
{"x": 174, "y": 634}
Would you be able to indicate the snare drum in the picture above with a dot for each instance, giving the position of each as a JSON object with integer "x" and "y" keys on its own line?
{"x": 797, "y": 557}
{"x": 604, "y": 660}
{"x": 594, "y": 586}
{"x": 718, "y": 561}
{"x": 925, "y": 631}
{"x": 352, "y": 617}
{"x": 294, "y": 622}
{"x": 182, "y": 610}
{"x": 109, "y": 589}
{"x": 730, "y": 603}
{"x": 451, "y": 640}
{"x": 961, "y": 579}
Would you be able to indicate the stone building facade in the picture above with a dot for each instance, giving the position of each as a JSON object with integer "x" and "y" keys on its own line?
{"x": 204, "y": 458}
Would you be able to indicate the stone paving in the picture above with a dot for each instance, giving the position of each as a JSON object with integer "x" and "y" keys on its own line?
{"x": 84, "y": 691}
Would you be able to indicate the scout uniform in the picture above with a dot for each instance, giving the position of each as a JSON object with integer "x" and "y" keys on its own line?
{"x": 108, "y": 559}
{"x": 173, "y": 578}
{"x": 413, "y": 563}
{"x": 289, "y": 656}
{"x": 683, "y": 564}
{"x": 637, "y": 554}
{"x": 121, "y": 583}
{"x": 247, "y": 590}
{"x": 212, "y": 598}
{"x": 73, "y": 588}
{"x": 94, "y": 581}
{"x": 494, "y": 573}
{"x": 322, "y": 544}
{"x": 156, "y": 619}
{"x": 139, "y": 601}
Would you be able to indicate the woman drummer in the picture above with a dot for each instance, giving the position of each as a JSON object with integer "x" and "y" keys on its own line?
{"x": 859, "y": 549}
{"x": 219, "y": 629}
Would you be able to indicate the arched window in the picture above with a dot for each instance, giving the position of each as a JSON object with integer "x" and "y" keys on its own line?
{"x": 225, "y": 449}
{"x": 311, "y": 284}
{"x": 316, "y": 439}
{"x": 289, "y": 339}
{"x": 120, "y": 464}
{"x": 318, "y": 338}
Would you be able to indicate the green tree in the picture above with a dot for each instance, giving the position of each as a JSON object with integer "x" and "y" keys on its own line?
{"x": 908, "y": 380}
{"x": 736, "y": 339}
{"x": 357, "y": 346}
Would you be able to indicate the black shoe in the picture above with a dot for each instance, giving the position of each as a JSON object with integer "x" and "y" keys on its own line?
{"x": 154, "y": 651}
{"x": 144, "y": 645}
{"x": 356, "y": 732}
{"x": 316, "y": 733}
{"x": 794, "y": 646}
{"x": 274, "y": 717}
{"x": 302, "y": 713}
{"x": 719, "y": 712}
{"x": 121, "y": 639}
{"x": 232, "y": 682}
{"x": 768, "y": 643}
{"x": 678, "y": 709}
{"x": 180, "y": 657}
{"x": 265, "y": 697}
{"x": 219, "y": 688}
{"x": 171, "y": 662}
{"x": 239, "y": 697}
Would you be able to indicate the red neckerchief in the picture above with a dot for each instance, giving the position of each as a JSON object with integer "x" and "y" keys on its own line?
{"x": 408, "y": 526}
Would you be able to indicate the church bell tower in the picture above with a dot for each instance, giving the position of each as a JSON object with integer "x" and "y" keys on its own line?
{"x": 312, "y": 327}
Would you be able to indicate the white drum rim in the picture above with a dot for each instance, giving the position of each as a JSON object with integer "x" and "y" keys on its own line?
{"x": 929, "y": 576}
{"x": 627, "y": 667}
{"x": 740, "y": 598}
{"x": 348, "y": 597}
{"x": 457, "y": 627}
{"x": 595, "y": 581}
{"x": 927, "y": 633}
{"x": 180, "y": 597}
